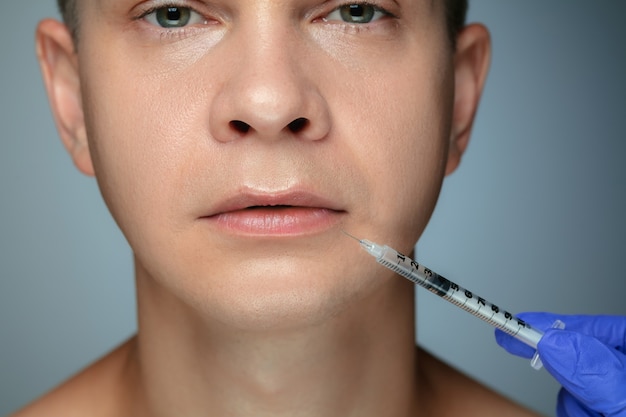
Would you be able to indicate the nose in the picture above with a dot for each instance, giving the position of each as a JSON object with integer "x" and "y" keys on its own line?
{"x": 269, "y": 91}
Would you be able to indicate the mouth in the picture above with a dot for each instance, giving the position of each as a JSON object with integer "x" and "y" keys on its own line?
{"x": 286, "y": 214}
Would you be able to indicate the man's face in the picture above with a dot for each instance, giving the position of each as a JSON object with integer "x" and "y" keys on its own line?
{"x": 234, "y": 146}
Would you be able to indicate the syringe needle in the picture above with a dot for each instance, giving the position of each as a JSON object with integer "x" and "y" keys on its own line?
{"x": 349, "y": 235}
{"x": 371, "y": 247}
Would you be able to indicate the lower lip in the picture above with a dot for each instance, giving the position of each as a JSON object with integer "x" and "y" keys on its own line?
{"x": 288, "y": 221}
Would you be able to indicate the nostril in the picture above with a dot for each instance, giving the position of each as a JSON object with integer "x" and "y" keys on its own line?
{"x": 239, "y": 126}
{"x": 298, "y": 124}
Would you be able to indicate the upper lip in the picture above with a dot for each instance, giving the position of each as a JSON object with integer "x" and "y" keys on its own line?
{"x": 250, "y": 199}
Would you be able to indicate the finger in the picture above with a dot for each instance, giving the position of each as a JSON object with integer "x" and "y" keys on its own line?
{"x": 541, "y": 320}
{"x": 568, "y": 406}
{"x": 592, "y": 372}
{"x": 538, "y": 320}
{"x": 610, "y": 330}
{"x": 513, "y": 346}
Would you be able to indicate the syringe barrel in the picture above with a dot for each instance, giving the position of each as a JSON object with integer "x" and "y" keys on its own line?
{"x": 459, "y": 296}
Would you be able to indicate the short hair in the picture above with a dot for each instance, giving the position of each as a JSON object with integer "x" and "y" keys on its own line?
{"x": 69, "y": 13}
{"x": 456, "y": 15}
{"x": 456, "y": 11}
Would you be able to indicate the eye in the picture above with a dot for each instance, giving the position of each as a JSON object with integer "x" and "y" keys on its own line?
{"x": 358, "y": 13}
{"x": 174, "y": 17}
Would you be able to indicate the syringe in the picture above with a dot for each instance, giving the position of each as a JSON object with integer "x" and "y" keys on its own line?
{"x": 455, "y": 294}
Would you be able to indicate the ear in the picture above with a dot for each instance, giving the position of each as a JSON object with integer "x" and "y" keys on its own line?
{"x": 59, "y": 67}
{"x": 471, "y": 64}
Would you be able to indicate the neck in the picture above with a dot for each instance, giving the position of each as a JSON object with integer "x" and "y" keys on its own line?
{"x": 360, "y": 362}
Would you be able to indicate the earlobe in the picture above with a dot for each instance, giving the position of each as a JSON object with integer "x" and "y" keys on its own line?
{"x": 471, "y": 64}
{"x": 59, "y": 67}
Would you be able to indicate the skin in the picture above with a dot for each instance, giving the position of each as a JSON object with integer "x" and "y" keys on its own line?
{"x": 237, "y": 320}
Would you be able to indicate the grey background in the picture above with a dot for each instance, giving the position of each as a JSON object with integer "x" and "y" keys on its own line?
{"x": 533, "y": 219}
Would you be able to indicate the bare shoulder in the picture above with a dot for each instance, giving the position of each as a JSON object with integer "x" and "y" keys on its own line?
{"x": 88, "y": 393}
{"x": 470, "y": 397}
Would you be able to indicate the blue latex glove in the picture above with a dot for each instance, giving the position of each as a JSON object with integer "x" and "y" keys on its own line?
{"x": 587, "y": 358}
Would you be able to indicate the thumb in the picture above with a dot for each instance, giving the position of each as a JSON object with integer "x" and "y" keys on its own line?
{"x": 592, "y": 372}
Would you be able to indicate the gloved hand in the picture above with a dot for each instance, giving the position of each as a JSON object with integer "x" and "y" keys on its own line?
{"x": 587, "y": 358}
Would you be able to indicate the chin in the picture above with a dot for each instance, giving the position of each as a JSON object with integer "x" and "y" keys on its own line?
{"x": 277, "y": 288}
{"x": 281, "y": 312}
{"x": 284, "y": 302}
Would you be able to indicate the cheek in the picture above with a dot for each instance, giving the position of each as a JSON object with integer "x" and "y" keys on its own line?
{"x": 403, "y": 149}
{"x": 140, "y": 138}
